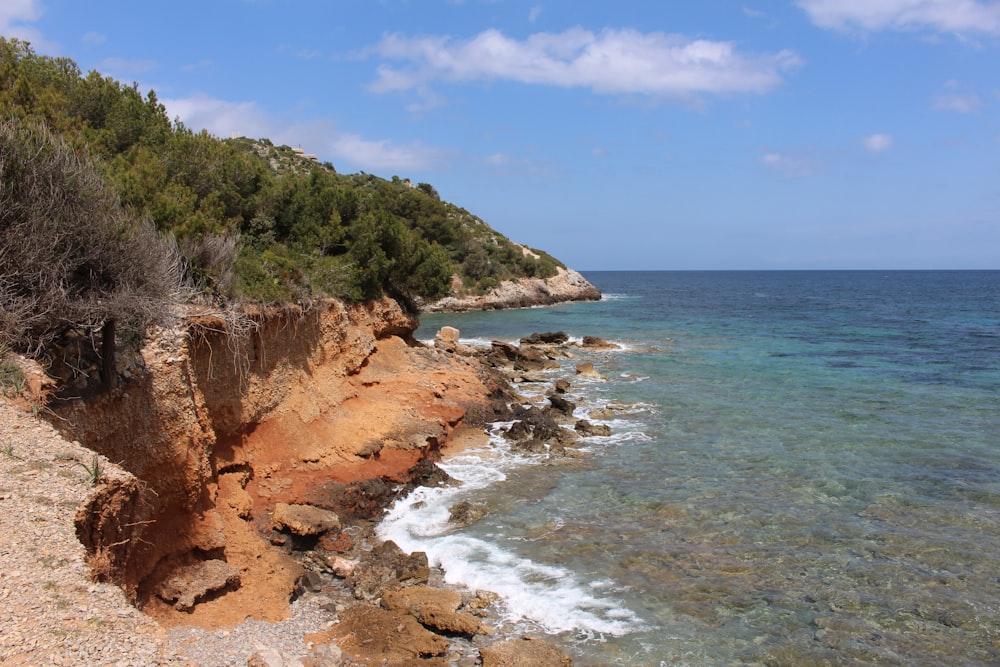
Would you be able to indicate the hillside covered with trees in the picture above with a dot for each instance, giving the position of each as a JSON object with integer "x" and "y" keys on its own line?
{"x": 257, "y": 222}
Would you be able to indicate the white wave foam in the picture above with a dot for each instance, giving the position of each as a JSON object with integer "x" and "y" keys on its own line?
{"x": 550, "y": 596}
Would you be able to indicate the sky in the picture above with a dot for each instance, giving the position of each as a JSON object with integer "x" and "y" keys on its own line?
{"x": 708, "y": 134}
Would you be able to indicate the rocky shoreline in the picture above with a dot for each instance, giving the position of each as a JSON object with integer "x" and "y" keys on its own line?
{"x": 566, "y": 285}
{"x": 358, "y": 602}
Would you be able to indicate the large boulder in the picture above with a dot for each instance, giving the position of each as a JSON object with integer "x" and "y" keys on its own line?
{"x": 188, "y": 585}
{"x": 387, "y": 566}
{"x": 304, "y": 520}
{"x": 524, "y": 652}
{"x": 389, "y": 637}
{"x": 434, "y": 608}
{"x": 546, "y": 338}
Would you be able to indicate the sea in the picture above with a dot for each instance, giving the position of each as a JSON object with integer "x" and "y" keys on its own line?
{"x": 803, "y": 469}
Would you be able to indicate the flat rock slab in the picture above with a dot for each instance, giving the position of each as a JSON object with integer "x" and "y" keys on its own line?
{"x": 525, "y": 652}
{"x": 187, "y": 585}
{"x": 390, "y": 636}
{"x": 304, "y": 520}
{"x": 435, "y": 608}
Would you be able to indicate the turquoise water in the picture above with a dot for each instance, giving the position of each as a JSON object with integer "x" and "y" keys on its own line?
{"x": 804, "y": 470}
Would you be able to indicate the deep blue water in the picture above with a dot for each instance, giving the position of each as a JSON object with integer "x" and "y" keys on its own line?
{"x": 804, "y": 469}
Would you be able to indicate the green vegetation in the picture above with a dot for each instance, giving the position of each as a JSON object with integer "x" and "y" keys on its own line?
{"x": 94, "y": 470}
{"x": 256, "y": 222}
{"x": 11, "y": 375}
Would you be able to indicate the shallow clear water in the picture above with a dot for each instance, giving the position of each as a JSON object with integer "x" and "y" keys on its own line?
{"x": 804, "y": 469}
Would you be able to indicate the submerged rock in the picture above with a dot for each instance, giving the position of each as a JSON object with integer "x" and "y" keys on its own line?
{"x": 465, "y": 513}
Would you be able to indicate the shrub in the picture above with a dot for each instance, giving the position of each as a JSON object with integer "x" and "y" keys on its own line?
{"x": 70, "y": 257}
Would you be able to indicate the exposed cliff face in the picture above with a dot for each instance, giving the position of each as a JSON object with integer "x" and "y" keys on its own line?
{"x": 566, "y": 285}
{"x": 221, "y": 428}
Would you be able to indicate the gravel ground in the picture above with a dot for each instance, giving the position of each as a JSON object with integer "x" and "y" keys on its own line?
{"x": 50, "y": 612}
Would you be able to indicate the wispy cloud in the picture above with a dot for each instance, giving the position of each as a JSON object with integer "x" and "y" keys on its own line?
{"x": 957, "y": 16}
{"x": 123, "y": 66}
{"x": 223, "y": 118}
{"x": 790, "y": 166}
{"x": 877, "y": 143}
{"x": 958, "y": 102}
{"x": 14, "y": 14}
{"x": 94, "y": 38}
{"x": 609, "y": 62}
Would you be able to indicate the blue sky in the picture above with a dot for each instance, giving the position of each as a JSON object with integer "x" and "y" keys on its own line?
{"x": 778, "y": 134}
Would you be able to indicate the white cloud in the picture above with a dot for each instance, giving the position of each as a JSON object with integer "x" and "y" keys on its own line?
{"x": 958, "y": 16}
{"x": 878, "y": 143}
{"x": 122, "y": 66}
{"x": 94, "y": 38}
{"x": 611, "y": 62}
{"x": 788, "y": 165}
{"x": 958, "y": 102}
{"x": 535, "y": 12}
{"x": 222, "y": 118}
{"x": 382, "y": 155}
{"x": 14, "y": 14}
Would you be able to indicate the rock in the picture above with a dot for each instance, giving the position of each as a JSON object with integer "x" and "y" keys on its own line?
{"x": 547, "y": 338}
{"x": 386, "y": 637}
{"x": 434, "y": 608}
{"x": 566, "y": 285}
{"x": 304, "y": 520}
{"x": 446, "y": 339}
{"x": 561, "y": 386}
{"x": 272, "y": 657}
{"x": 186, "y": 586}
{"x": 587, "y": 370}
{"x": 310, "y": 581}
{"x": 599, "y": 343}
{"x": 324, "y": 655}
{"x": 465, "y": 513}
{"x": 387, "y": 566}
{"x": 342, "y": 567}
{"x": 585, "y": 428}
{"x": 339, "y": 543}
{"x": 562, "y": 406}
{"x": 524, "y": 652}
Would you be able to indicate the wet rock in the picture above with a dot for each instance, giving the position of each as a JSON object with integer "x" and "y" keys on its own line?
{"x": 587, "y": 370}
{"x": 434, "y": 608}
{"x": 465, "y": 513}
{"x": 561, "y": 386}
{"x": 304, "y": 520}
{"x": 562, "y": 406}
{"x": 547, "y": 338}
{"x": 585, "y": 428}
{"x": 386, "y": 637}
{"x": 186, "y": 586}
{"x": 599, "y": 343}
{"x": 524, "y": 652}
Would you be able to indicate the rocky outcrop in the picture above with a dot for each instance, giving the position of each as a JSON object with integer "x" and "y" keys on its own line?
{"x": 244, "y": 437}
{"x": 566, "y": 285}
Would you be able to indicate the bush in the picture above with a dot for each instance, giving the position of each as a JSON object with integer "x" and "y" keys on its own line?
{"x": 70, "y": 257}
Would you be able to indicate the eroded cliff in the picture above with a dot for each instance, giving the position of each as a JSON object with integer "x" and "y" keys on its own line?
{"x": 303, "y": 407}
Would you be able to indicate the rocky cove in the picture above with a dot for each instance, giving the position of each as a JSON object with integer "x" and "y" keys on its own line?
{"x": 256, "y": 462}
